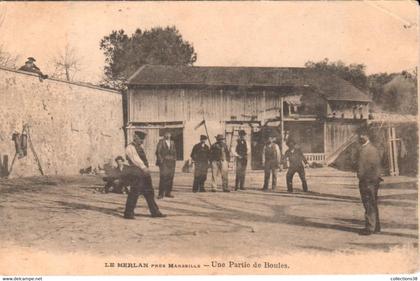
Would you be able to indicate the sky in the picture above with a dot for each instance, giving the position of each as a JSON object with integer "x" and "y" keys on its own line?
{"x": 381, "y": 34}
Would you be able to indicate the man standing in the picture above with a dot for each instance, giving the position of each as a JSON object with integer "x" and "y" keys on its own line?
{"x": 220, "y": 157}
{"x": 296, "y": 159}
{"x": 166, "y": 160}
{"x": 31, "y": 67}
{"x": 271, "y": 160}
{"x": 368, "y": 172}
{"x": 138, "y": 176}
{"x": 114, "y": 182}
{"x": 200, "y": 156}
{"x": 241, "y": 153}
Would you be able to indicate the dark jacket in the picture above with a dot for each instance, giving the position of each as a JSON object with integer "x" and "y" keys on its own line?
{"x": 368, "y": 164}
{"x": 242, "y": 148}
{"x": 165, "y": 153}
{"x": 296, "y": 158}
{"x": 219, "y": 152}
{"x": 200, "y": 153}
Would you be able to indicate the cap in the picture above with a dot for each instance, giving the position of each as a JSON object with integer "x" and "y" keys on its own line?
{"x": 31, "y": 59}
{"x": 203, "y": 137}
{"x": 242, "y": 133}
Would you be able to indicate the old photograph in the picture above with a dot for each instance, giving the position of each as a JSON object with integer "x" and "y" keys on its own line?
{"x": 208, "y": 138}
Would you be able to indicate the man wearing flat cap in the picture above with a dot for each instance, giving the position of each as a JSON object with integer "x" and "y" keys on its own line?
{"x": 31, "y": 67}
{"x": 220, "y": 157}
{"x": 200, "y": 156}
{"x": 166, "y": 160}
{"x": 241, "y": 154}
{"x": 137, "y": 174}
{"x": 368, "y": 173}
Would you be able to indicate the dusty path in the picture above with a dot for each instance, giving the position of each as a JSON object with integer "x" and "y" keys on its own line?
{"x": 65, "y": 214}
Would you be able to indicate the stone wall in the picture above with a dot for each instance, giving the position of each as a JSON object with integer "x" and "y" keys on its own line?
{"x": 72, "y": 126}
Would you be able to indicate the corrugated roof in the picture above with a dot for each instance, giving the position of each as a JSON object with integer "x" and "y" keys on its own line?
{"x": 330, "y": 86}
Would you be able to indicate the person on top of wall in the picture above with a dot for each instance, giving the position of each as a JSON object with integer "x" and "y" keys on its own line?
{"x": 31, "y": 67}
{"x": 166, "y": 160}
{"x": 220, "y": 157}
{"x": 200, "y": 156}
{"x": 271, "y": 160}
{"x": 241, "y": 154}
{"x": 296, "y": 159}
{"x": 368, "y": 173}
{"x": 137, "y": 174}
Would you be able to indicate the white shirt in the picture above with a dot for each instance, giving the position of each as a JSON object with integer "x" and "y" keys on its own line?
{"x": 168, "y": 143}
{"x": 132, "y": 154}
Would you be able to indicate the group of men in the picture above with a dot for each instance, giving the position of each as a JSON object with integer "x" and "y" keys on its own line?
{"x": 217, "y": 157}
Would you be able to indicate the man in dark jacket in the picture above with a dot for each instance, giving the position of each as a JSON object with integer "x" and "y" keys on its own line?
{"x": 166, "y": 160}
{"x": 31, "y": 67}
{"x": 137, "y": 174}
{"x": 368, "y": 173}
{"x": 271, "y": 159}
{"x": 220, "y": 157}
{"x": 241, "y": 153}
{"x": 296, "y": 159}
{"x": 200, "y": 156}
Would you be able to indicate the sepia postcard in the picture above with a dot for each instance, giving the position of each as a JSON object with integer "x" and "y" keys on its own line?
{"x": 209, "y": 138}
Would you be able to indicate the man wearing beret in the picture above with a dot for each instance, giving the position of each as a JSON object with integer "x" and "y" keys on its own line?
{"x": 138, "y": 176}
{"x": 220, "y": 157}
{"x": 368, "y": 173}
{"x": 200, "y": 156}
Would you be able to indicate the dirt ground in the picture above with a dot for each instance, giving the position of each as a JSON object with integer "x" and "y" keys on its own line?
{"x": 67, "y": 214}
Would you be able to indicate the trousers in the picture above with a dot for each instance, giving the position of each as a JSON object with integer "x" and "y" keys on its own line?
{"x": 166, "y": 177}
{"x": 240, "y": 173}
{"x": 270, "y": 170}
{"x": 200, "y": 176}
{"x": 369, "y": 195}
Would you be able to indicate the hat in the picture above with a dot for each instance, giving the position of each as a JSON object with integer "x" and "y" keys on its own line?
{"x": 220, "y": 137}
{"x": 140, "y": 134}
{"x": 31, "y": 59}
{"x": 203, "y": 137}
{"x": 242, "y": 133}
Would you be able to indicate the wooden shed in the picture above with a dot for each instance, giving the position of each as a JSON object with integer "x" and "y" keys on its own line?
{"x": 317, "y": 109}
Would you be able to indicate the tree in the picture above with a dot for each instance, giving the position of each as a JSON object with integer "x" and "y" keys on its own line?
{"x": 124, "y": 54}
{"x": 354, "y": 73}
{"x": 67, "y": 64}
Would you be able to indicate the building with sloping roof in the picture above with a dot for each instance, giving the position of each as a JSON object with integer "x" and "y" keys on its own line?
{"x": 319, "y": 110}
